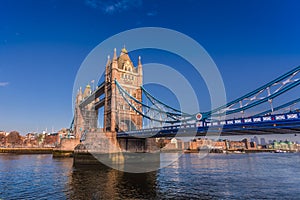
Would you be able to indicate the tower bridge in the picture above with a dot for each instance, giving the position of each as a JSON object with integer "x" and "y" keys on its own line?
{"x": 133, "y": 125}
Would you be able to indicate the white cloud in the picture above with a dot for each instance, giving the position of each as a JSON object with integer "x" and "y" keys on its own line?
{"x": 152, "y": 13}
{"x": 113, "y": 6}
{"x": 3, "y": 84}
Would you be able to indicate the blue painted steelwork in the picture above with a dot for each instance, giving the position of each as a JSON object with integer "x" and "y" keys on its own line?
{"x": 72, "y": 124}
{"x": 153, "y": 100}
{"x": 174, "y": 116}
{"x": 280, "y": 80}
{"x": 279, "y": 107}
{"x": 177, "y": 117}
{"x": 287, "y": 82}
{"x": 260, "y": 123}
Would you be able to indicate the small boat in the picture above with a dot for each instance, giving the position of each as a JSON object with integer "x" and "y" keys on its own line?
{"x": 279, "y": 151}
{"x": 238, "y": 152}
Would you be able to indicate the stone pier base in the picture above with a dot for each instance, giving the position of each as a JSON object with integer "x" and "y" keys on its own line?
{"x": 126, "y": 154}
{"x": 138, "y": 145}
{"x": 66, "y": 148}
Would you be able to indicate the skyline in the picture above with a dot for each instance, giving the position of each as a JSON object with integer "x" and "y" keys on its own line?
{"x": 42, "y": 45}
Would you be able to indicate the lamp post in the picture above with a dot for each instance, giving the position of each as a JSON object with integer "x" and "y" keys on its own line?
{"x": 93, "y": 82}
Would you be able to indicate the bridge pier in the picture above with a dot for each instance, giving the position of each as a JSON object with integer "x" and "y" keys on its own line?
{"x": 126, "y": 154}
{"x": 138, "y": 145}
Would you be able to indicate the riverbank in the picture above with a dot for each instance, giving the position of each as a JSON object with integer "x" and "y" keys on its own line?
{"x": 27, "y": 150}
{"x": 261, "y": 151}
{"x": 70, "y": 153}
{"x": 242, "y": 151}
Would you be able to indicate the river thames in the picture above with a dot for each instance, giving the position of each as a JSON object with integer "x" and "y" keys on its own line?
{"x": 217, "y": 176}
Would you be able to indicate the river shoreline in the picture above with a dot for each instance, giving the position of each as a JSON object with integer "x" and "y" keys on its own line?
{"x": 21, "y": 150}
{"x": 242, "y": 151}
{"x": 59, "y": 153}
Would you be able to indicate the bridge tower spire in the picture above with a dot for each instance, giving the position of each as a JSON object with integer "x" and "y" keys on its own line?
{"x": 115, "y": 54}
{"x": 140, "y": 71}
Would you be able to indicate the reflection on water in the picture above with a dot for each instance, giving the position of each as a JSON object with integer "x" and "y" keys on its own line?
{"x": 235, "y": 176}
{"x": 106, "y": 183}
{"x": 33, "y": 176}
{"x": 217, "y": 176}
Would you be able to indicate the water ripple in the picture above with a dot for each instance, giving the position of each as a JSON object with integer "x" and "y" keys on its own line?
{"x": 217, "y": 176}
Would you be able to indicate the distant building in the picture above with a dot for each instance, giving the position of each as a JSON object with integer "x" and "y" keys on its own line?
{"x": 220, "y": 145}
{"x": 171, "y": 144}
{"x": 14, "y": 139}
{"x": 255, "y": 139}
{"x": 2, "y": 139}
{"x": 250, "y": 145}
{"x": 51, "y": 140}
{"x": 236, "y": 145}
{"x": 200, "y": 143}
{"x": 285, "y": 145}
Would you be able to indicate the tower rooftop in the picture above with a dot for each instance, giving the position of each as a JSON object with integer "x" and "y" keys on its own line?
{"x": 124, "y": 50}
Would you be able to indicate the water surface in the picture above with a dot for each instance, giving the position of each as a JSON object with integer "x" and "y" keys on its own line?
{"x": 217, "y": 176}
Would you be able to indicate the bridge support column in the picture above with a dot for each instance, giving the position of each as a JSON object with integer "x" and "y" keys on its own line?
{"x": 125, "y": 154}
{"x": 138, "y": 145}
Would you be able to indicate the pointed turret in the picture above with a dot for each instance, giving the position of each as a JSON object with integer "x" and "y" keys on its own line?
{"x": 108, "y": 61}
{"x": 79, "y": 96}
{"x": 140, "y": 71}
{"x": 115, "y": 54}
{"x": 115, "y": 60}
{"x": 140, "y": 61}
{"x": 87, "y": 91}
{"x": 124, "y": 51}
{"x": 108, "y": 68}
{"x": 140, "y": 66}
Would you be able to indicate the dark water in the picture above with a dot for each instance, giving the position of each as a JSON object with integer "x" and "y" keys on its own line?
{"x": 218, "y": 176}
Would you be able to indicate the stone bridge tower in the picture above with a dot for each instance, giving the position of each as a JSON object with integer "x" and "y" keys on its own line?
{"x": 118, "y": 115}
{"x": 86, "y": 117}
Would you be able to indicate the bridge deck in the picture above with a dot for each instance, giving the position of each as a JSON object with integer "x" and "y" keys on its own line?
{"x": 273, "y": 124}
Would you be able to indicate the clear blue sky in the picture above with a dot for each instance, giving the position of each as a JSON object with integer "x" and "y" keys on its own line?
{"x": 43, "y": 43}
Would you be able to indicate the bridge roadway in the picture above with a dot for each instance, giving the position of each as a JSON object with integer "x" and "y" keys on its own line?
{"x": 288, "y": 123}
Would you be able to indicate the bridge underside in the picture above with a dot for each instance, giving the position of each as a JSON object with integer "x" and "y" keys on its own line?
{"x": 262, "y": 128}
